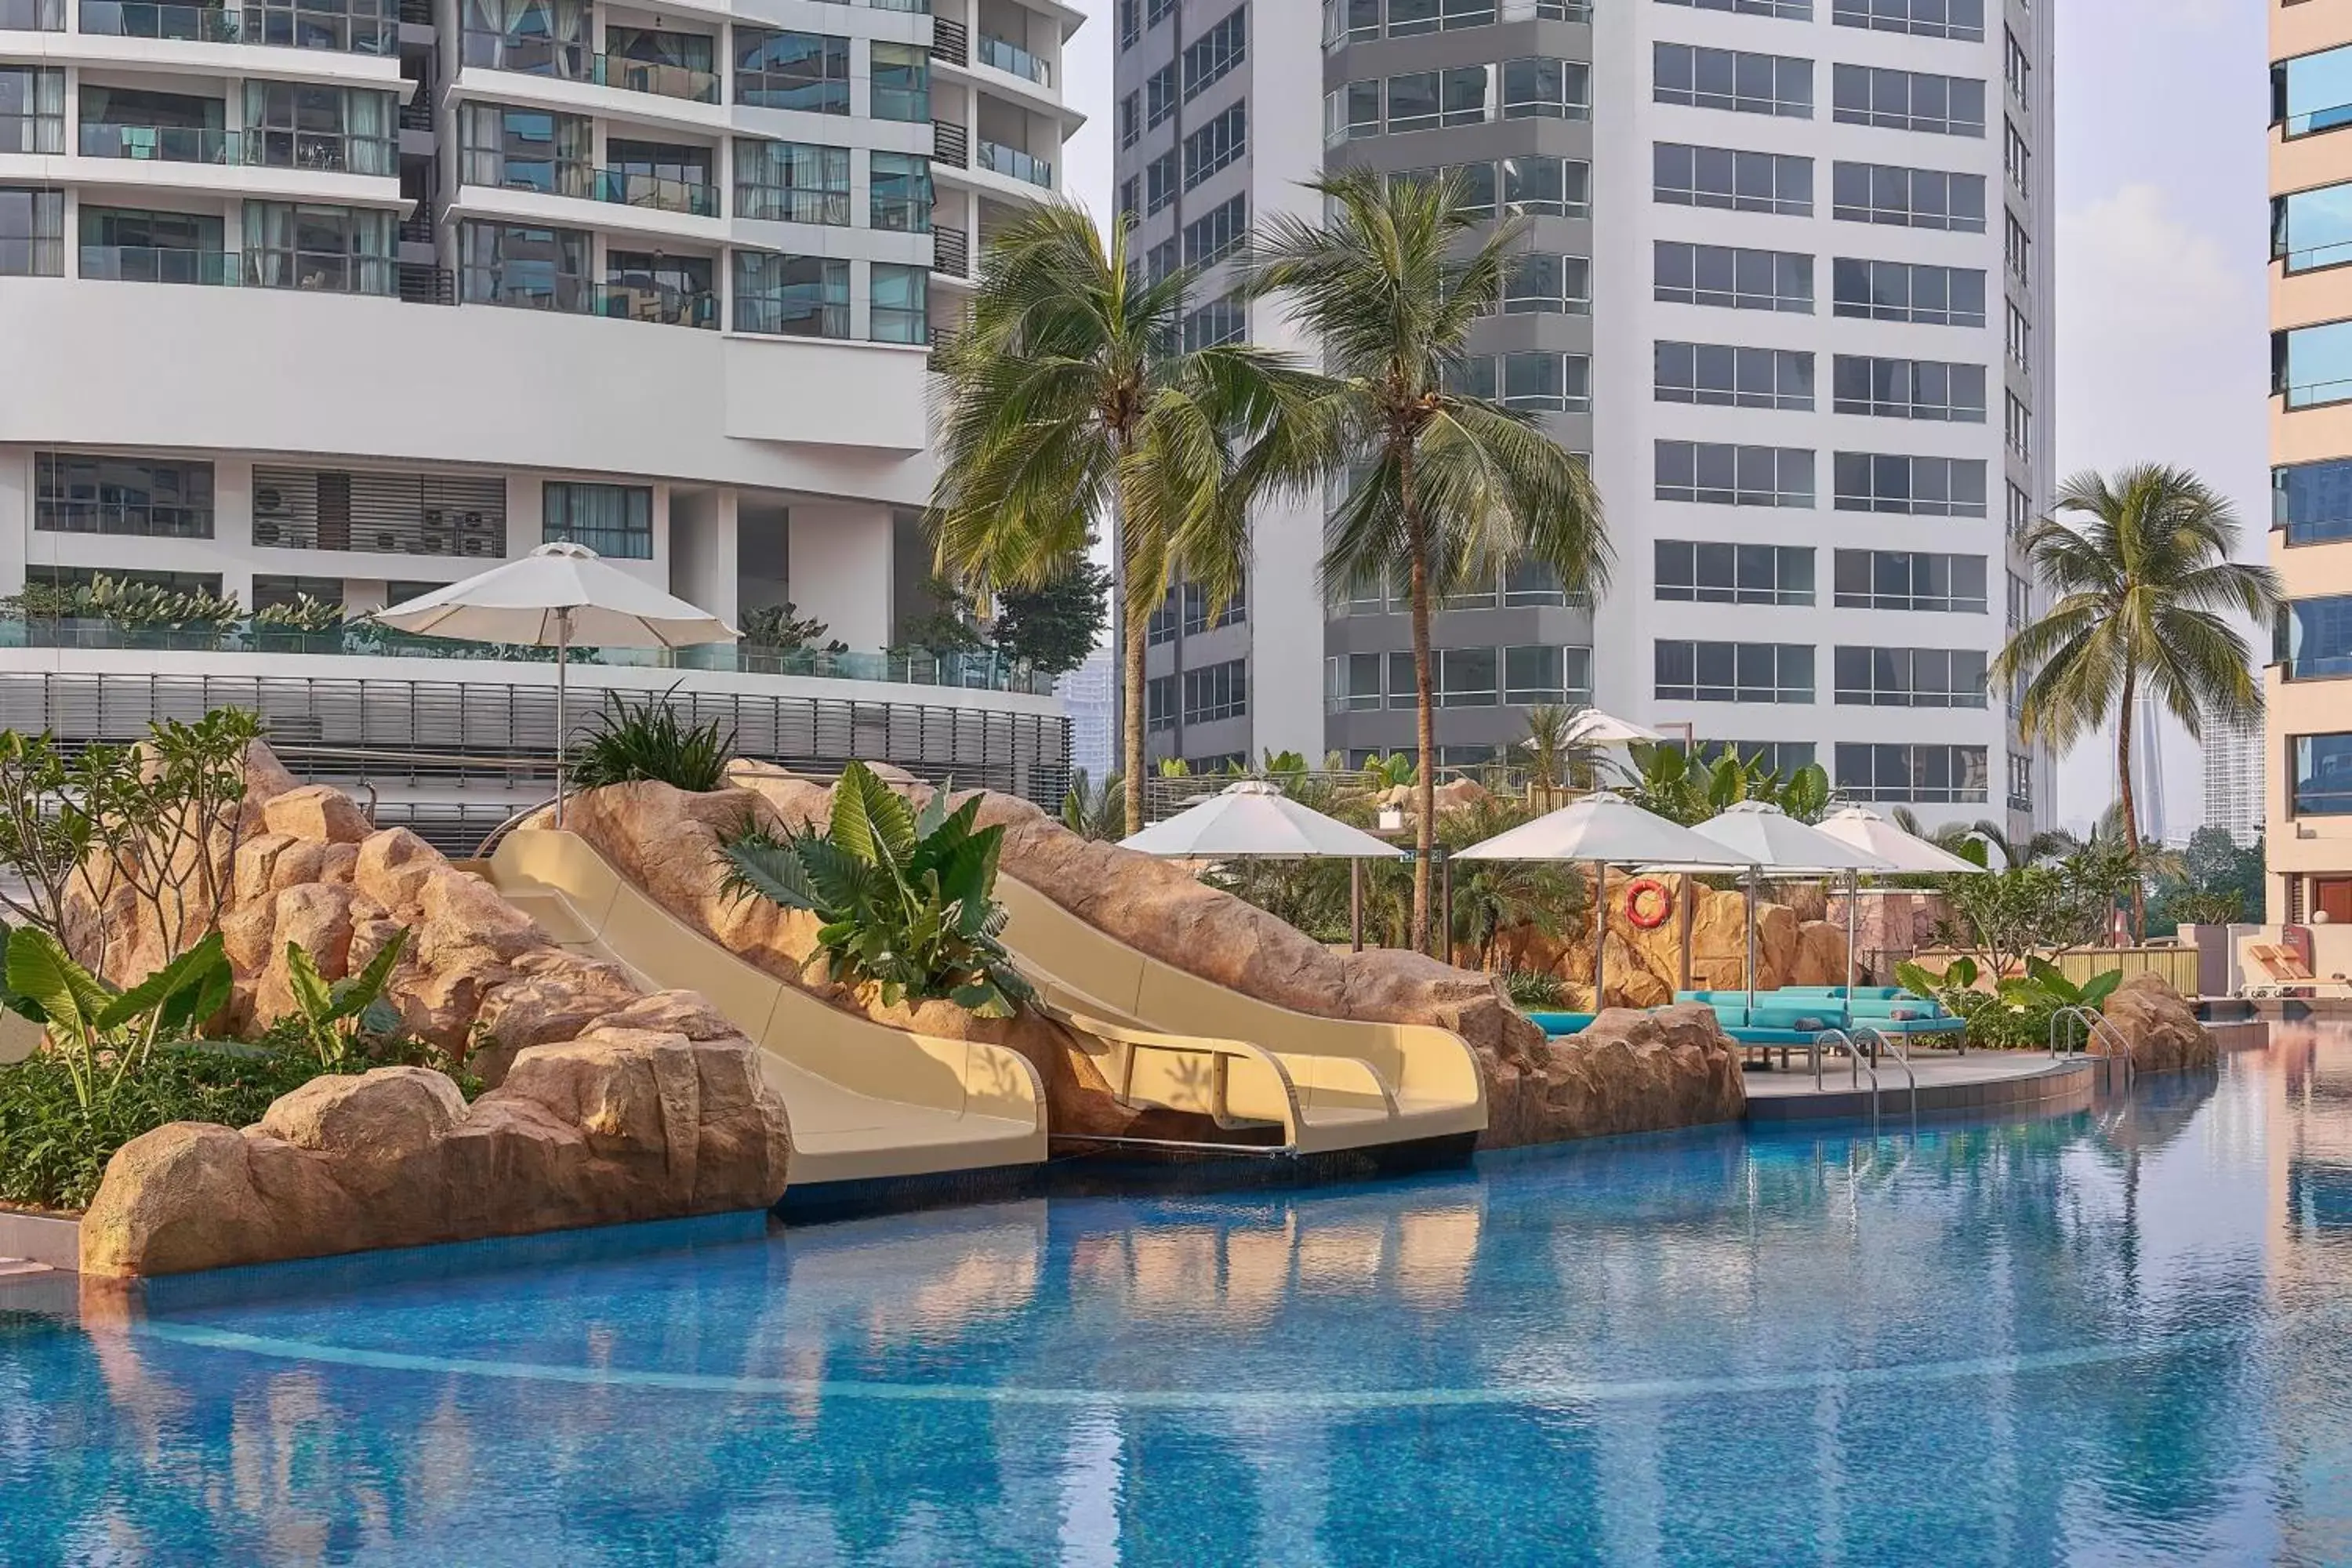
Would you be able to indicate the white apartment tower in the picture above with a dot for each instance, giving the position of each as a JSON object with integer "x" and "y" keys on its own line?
{"x": 353, "y": 298}
{"x": 1788, "y": 280}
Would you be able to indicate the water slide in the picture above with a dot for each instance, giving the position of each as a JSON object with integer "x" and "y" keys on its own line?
{"x": 1163, "y": 1036}
{"x": 864, "y": 1100}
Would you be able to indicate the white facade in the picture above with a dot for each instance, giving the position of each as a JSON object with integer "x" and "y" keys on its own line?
{"x": 430, "y": 288}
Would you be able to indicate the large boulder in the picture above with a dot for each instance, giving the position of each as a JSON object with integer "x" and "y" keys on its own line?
{"x": 1630, "y": 1072}
{"x": 2160, "y": 1027}
{"x": 619, "y": 1125}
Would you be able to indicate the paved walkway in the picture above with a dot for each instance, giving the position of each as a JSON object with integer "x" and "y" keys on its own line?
{"x": 1838, "y": 1072}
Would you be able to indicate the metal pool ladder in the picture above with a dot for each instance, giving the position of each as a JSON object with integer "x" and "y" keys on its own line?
{"x": 2096, "y": 1027}
{"x": 1892, "y": 1045}
{"x": 1839, "y": 1040}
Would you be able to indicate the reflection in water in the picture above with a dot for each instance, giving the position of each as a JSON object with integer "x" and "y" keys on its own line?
{"x": 2121, "y": 1334}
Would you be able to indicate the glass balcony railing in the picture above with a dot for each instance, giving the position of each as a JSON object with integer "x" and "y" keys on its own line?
{"x": 999, "y": 55}
{"x": 630, "y": 188}
{"x": 663, "y": 306}
{"x": 997, "y": 158}
{"x": 268, "y": 26}
{"x": 971, "y": 672}
{"x": 159, "y": 143}
{"x": 577, "y": 62}
{"x": 158, "y": 263}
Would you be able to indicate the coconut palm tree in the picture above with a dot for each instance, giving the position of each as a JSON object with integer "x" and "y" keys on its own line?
{"x": 1067, "y": 394}
{"x": 1446, "y": 488}
{"x": 1557, "y": 759}
{"x": 2145, "y": 583}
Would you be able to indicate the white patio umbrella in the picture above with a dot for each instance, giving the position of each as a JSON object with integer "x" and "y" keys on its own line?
{"x": 1253, "y": 819}
{"x": 1906, "y": 853}
{"x": 1593, "y": 727}
{"x": 556, "y": 595}
{"x": 1764, "y": 838}
{"x": 1603, "y": 830}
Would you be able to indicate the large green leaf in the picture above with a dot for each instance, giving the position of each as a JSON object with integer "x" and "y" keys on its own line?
{"x": 941, "y": 845}
{"x": 843, "y": 881}
{"x": 770, "y": 869}
{"x": 851, "y": 829}
{"x": 889, "y": 819}
{"x": 312, "y": 993}
{"x": 934, "y": 812}
{"x": 353, "y": 995}
{"x": 39, "y": 967}
{"x": 1918, "y": 978}
{"x": 2100, "y": 986}
{"x": 189, "y": 989}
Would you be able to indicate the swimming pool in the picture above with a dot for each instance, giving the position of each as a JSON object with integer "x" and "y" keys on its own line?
{"x": 2120, "y": 1336}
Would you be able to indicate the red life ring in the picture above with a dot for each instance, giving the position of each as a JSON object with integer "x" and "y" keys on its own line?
{"x": 1647, "y": 903}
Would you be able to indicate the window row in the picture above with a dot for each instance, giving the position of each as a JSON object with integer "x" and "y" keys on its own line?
{"x": 1705, "y": 572}
{"x": 1210, "y": 239}
{"x": 2310, "y": 503}
{"x": 1368, "y": 21}
{"x": 2312, "y": 366}
{"x": 2311, "y": 94}
{"x": 1919, "y": 775}
{"x": 1908, "y": 677}
{"x": 2322, "y": 781}
{"x": 1723, "y": 474}
{"x": 1963, "y": 19}
{"x": 281, "y": 125}
{"x": 1530, "y": 89}
{"x": 1219, "y": 143}
{"x": 1541, "y": 381}
{"x": 1530, "y": 186}
{"x": 2314, "y": 637}
{"x": 1527, "y": 585}
{"x": 1721, "y": 376}
{"x": 1732, "y": 80}
{"x": 1908, "y": 101}
{"x": 278, "y": 245}
{"x": 1460, "y": 677}
{"x": 1216, "y": 692}
{"x": 1186, "y": 606}
{"x": 1224, "y": 321}
{"x": 2311, "y": 229}
{"x": 1733, "y": 672}
{"x": 807, "y": 73}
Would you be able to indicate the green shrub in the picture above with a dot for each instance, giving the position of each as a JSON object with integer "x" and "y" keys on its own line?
{"x": 648, "y": 743}
{"x": 907, "y": 901}
{"x": 1533, "y": 988}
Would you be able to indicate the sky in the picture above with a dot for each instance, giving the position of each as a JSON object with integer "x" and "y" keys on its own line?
{"x": 2162, "y": 315}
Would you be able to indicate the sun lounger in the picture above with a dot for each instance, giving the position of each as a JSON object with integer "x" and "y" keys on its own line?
{"x": 2284, "y": 973}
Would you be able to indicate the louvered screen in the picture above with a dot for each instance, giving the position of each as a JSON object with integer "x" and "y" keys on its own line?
{"x": 397, "y": 514}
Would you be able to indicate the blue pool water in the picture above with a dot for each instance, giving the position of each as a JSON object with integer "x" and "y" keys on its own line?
{"x": 2123, "y": 1336}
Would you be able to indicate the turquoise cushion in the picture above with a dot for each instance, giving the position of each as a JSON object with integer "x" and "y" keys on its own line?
{"x": 1729, "y": 1016}
{"x": 1809, "y": 1019}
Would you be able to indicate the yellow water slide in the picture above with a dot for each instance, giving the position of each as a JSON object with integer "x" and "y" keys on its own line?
{"x": 1163, "y": 1036}
{"x": 864, "y": 1100}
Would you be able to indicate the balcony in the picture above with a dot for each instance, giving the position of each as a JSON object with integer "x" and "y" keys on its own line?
{"x": 343, "y": 33}
{"x": 632, "y": 188}
{"x": 157, "y": 264}
{"x": 1013, "y": 163}
{"x": 322, "y": 153}
{"x": 951, "y": 144}
{"x": 1010, "y": 58}
{"x": 951, "y": 41}
{"x": 663, "y": 307}
{"x": 950, "y": 252}
{"x": 575, "y": 62}
{"x": 572, "y": 296}
{"x": 159, "y": 143}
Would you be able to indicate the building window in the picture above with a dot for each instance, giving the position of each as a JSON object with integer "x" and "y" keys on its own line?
{"x": 2020, "y": 783}
{"x": 1544, "y": 672}
{"x": 2312, "y": 92}
{"x": 793, "y": 182}
{"x": 1909, "y": 677}
{"x": 611, "y": 520}
{"x": 292, "y": 125}
{"x": 1219, "y": 321}
{"x": 1425, "y": 101}
{"x": 1721, "y": 474}
{"x": 1215, "y": 145}
{"x": 1532, "y": 583}
{"x": 1788, "y": 10}
{"x": 1737, "y": 181}
{"x": 2318, "y": 637}
{"x": 1733, "y": 80}
{"x": 1160, "y": 703}
{"x": 1545, "y": 283}
{"x": 1467, "y": 678}
{"x": 1918, "y": 775}
{"x": 1719, "y": 376}
{"x": 1361, "y": 21}
{"x": 791, "y": 296}
{"x": 32, "y": 110}
{"x": 1545, "y": 382}
{"x": 92, "y": 492}
{"x": 1780, "y": 757}
{"x": 2019, "y": 336}
{"x": 1209, "y": 240}
{"x": 1925, "y": 18}
{"x": 1892, "y": 194}
{"x": 547, "y": 38}
{"x": 354, "y": 26}
{"x": 1911, "y": 487}
{"x": 526, "y": 149}
{"x": 1908, "y": 100}
{"x": 331, "y": 249}
{"x": 1734, "y": 278}
{"x": 1197, "y": 618}
{"x": 1543, "y": 88}
{"x": 2021, "y": 601}
{"x": 2313, "y": 501}
{"x": 1208, "y": 58}
{"x": 900, "y": 308}
{"x": 1906, "y": 291}
{"x": 2016, "y": 426}
{"x": 1158, "y": 183}
{"x": 1910, "y": 579}
{"x": 1159, "y": 97}
{"x": 274, "y": 592}
{"x": 34, "y": 16}
{"x": 1351, "y": 683}
{"x": 2016, "y": 159}
{"x": 1734, "y": 672}
{"x": 1130, "y": 121}
{"x": 2323, "y": 775}
{"x": 807, "y": 71}
{"x": 1910, "y": 389}
{"x": 1158, "y": 262}
{"x": 901, "y": 192}
{"x": 1542, "y": 187}
{"x": 32, "y": 232}
{"x": 387, "y": 513}
{"x": 1351, "y": 112}
{"x": 901, "y": 87}
{"x": 1714, "y": 573}
{"x": 2017, "y": 249}
{"x": 515, "y": 264}
{"x": 1218, "y": 691}
{"x": 2311, "y": 229}
{"x": 2312, "y": 366}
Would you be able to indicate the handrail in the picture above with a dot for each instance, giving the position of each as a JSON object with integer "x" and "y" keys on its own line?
{"x": 2096, "y": 1027}
{"x": 1838, "y": 1039}
{"x": 1893, "y": 1045}
{"x": 489, "y": 845}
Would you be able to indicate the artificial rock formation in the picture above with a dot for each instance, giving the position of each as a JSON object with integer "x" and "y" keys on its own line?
{"x": 1538, "y": 1090}
{"x": 2161, "y": 1029}
{"x": 606, "y": 1104}
{"x": 1645, "y": 966}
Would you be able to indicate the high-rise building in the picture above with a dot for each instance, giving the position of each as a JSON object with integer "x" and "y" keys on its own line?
{"x": 2309, "y": 738}
{"x": 2233, "y": 779}
{"x": 1785, "y": 276}
{"x": 1090, "y": 695}
{"x": 347, "y": 301}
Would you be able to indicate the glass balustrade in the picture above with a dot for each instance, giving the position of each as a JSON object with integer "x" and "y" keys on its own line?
{"x": 997, "y": 158}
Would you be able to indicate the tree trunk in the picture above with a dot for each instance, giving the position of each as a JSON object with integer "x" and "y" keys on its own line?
{"x": 2130, "y": 805}
{"x": 1131, "y": 743}
{"x": 1425, "y": 833}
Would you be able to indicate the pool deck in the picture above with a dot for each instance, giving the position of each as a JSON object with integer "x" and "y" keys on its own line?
{"x": 1978, "y": 1082}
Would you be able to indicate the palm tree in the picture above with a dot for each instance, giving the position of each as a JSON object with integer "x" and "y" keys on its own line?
{"x": 2145, "y": 585}
{"x": 1556, "y": 760}
{"x": 1067, "y": 394}
{"x": 1975, "y": 840}
{"x": 1447, "y": 488}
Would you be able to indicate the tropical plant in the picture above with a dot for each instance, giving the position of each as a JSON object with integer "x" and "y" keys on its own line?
{"x": 784, "y": 629}
{"x": 2145, "y": 585}
{"x": 1066, "y": 395}
{"x": 1095, "y": 811}
{"x": 648, "y": 741}
{"x": 947, "y": 625}
{"x": 1533, "y": 988}
{"x": 101, "y": 1035}
{"x": 1674, "y": 784}
{"x": 334, "y": 1014}
{"x": 1556, "y": 760}
{"x": 2205, "y": 907}
{"x": 1052, "y": 628}
{"x": 300, "y": 614}
{"x": 1446, "y": 490}
{"x": 905, "y": 900}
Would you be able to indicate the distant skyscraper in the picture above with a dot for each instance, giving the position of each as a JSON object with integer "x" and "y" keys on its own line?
{"x": 1087, "y": 693}
{"x": 2233, "y": 779}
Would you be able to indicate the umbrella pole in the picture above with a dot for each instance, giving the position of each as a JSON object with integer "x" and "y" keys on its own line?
{"x": 1356, "y": 905}
{"x": 562, "y": 738}
{"x": 1751, "y": 937}
{"x": 1600, "y": 936}
{"x": 1853, "y": 897}
{"x": 1686, "y": 895}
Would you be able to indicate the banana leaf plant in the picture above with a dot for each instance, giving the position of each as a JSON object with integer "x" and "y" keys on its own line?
{"x": 905, "y": 900}
{"x": 335, "y": 1015}
{"x": 103, "y": 1035}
